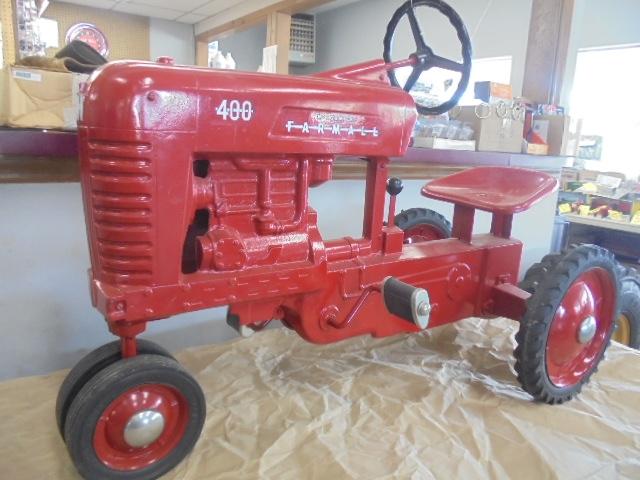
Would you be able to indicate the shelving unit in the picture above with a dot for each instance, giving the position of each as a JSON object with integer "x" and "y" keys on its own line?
{"x": 38, "y": 156}
{"x": 29, "y": 156}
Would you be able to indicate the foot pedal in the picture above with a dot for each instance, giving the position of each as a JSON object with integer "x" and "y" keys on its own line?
{"x": 234, "y": 322}
{"x": 407, "y": 302}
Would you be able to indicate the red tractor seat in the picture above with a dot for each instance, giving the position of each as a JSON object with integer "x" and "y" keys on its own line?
{"x": 502, "y": 190}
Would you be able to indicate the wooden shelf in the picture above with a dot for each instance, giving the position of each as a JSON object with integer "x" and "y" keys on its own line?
{"x": 602, "y": 223}
{"x": 38, "y": 156}
{"x": 52, "y": 156}
{"x": 38, "y": 143}
{"x": 467, "y": 158}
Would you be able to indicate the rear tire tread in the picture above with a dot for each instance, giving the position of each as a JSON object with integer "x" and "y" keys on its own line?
{"x": 630, "y": 302}
{"x": 417, "y": 216}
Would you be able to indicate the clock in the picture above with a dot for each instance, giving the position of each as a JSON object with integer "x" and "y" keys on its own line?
{"x": 89, "y": 34}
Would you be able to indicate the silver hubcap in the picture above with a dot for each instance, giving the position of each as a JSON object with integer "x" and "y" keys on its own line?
{"x": 143, "y": 428}
{"x": 587, "y": 330}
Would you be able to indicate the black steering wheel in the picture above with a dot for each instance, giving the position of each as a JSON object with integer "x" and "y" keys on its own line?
{"x": 424, "y": 56}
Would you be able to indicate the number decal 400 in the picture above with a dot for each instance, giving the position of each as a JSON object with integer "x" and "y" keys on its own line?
{"x": 235, "y": 110}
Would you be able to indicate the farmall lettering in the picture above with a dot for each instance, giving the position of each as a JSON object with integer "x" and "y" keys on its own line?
{"x": 336, "y": 124}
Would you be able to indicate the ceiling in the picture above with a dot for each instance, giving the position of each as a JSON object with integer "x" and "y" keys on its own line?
{"x": 186, "y": 11}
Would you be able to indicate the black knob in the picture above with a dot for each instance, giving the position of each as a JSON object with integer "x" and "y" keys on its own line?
{"x": 394, "y": 186}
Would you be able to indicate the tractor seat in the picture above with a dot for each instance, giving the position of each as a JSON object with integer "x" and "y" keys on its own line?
{"x": 502, "y": 190}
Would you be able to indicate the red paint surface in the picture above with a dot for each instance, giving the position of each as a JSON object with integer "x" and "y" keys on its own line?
{"x": 493, "y": 189}
{"x": 186, "y": 210}
{"x": 108, "y": 438}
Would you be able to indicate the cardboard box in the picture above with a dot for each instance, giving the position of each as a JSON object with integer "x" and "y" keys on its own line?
{"x": 4, "y": 98}
{"x": 41, "y": 98}
{"x": 588, "y": 175}
{"x": 494, "y": 133}
{"x": 535, "y": 148}
{"x": 491, "y": 92}
{"x": 560, "y": 132}
{"x": 444, "y": 143}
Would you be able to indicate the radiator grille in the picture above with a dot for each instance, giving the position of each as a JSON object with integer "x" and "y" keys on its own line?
{"x": 121, "y": 202}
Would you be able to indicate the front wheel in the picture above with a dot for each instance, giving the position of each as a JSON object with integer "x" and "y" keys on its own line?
{"x": 568, "y": 324}
{"x": 135, "y": 420}
{"x": 91, "y": 364}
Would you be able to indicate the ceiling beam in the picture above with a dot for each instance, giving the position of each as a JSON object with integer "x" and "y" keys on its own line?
{"x": 247, "y": 13}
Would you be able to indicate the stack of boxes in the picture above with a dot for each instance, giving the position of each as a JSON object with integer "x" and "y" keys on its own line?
{"x": 38, "y": 98}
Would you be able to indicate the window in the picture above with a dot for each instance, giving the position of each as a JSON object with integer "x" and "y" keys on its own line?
{"x": 432, "y": 86}
{"x": 606, "y": 96}
{"x": 495, "y": 69}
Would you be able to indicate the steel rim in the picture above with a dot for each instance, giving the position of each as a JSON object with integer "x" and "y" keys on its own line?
{"x": 109, "y": 436}
{"x": 423, "y": 233}
{"x": 623, "y": 330}
{"x": 568, "y": 359}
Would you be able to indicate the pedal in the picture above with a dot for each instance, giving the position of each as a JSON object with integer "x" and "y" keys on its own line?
{"x": 407, "y": 302}
{"x": 243, "y": 330}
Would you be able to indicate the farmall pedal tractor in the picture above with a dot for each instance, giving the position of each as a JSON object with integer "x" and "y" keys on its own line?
{"x": 195, "y": 185}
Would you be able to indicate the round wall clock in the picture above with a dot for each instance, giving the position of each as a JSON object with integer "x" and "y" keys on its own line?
{"x": 90, "y": 34}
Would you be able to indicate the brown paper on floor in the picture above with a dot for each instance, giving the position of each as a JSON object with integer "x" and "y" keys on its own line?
{"x": 444, "y": 404}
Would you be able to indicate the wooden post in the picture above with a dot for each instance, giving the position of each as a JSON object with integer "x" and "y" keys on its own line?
{"x": 548, "y": 50}
{"x": 202, "y": 53}
{"x": 279, "y": 33}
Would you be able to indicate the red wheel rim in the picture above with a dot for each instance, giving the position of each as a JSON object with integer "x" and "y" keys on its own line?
{"x": 423, "y": 233}
{"x": 569, "y": 360}
{"x": 109, "y": 435}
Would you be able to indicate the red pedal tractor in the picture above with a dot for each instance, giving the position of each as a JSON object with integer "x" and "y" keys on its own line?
{"x": 195, "y": 185}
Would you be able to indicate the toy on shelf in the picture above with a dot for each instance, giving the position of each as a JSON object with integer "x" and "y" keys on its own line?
{"x": 196, "y": 186}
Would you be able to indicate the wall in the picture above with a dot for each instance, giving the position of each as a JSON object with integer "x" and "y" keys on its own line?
{"x": 47, "y": 320}
{"x": 614, "y": 22}
{"x": 355, "y": 33}
{"x": 172, "y": 39}
{"x": 246, "y": 47}
{"x": 128, "y": 35}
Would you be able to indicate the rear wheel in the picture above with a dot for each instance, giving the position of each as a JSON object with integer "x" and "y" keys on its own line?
{"x": 627, "y": 330}
{"x": 422, "y": 225}
{"x": 568, "y": 324}
{"x": 91, "y": 364}
{"x": 539, "y": 271}
{"x": 135, "y": 419}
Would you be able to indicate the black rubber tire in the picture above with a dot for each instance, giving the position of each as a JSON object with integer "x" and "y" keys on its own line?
{"x": 105, "y": 387}
{"x": 423, "y": 216}
{"x": 630, "y": 302}
{"x": 538, "y": 272}
{"x": 91, "y": 364}
{"x": 551, "y": 285}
